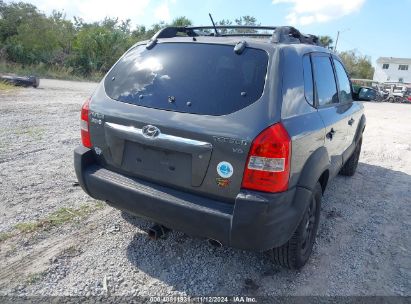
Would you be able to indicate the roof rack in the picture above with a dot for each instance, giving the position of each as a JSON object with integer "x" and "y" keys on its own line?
{"x": 280, "y": 34}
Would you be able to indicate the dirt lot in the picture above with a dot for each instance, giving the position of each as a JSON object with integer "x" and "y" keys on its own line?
{"x": 55, "y": 240}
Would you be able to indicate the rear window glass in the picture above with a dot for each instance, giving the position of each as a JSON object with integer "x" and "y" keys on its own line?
{"x": 308, "y": 80}
{"x": 189, "y": 77}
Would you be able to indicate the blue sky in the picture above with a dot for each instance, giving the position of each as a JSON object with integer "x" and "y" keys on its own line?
{"x": 373, "y": 27}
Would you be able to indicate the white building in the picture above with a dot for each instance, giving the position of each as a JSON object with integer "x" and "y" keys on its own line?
{"x": 390, "y": 69}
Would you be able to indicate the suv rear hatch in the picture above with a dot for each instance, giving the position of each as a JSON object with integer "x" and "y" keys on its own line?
{"x": 175, "y": 115}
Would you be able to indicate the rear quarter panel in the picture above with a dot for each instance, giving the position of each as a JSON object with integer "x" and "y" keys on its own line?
{"x": 301, "y": 120}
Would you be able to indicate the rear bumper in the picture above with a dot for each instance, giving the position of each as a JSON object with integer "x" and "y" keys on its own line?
{"x": 256, "y": 220}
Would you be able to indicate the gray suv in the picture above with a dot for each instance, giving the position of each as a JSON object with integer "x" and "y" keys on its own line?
{"x": 224, "y": 135}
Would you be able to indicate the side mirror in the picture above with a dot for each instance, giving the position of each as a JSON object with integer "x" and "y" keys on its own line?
{"x": 365, "y": 94}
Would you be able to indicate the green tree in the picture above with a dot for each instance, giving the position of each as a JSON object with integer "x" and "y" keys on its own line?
{"x": 181, "y": 21}
{"x": 247, "y": 21}
{"x": 326, "y": 41}
{"x": 98, "y": 45}
{"x": 224, "y": 22}
{"x": 65, "y": 32}
{"x": 244, "y": 20}
{"x": 140, "y": 33}
{"x": 29, "y": 37}
{"x": 358, "y": 66}
{"x": 36, "y": 41}
{"x": 154, "y": 29}
{"x": 13, "y": 15}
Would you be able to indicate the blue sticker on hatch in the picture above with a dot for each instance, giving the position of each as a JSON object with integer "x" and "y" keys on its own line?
{"x": 225, "y": 169}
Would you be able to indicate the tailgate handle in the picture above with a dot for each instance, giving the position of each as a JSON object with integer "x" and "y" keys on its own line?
{"x": 175, "y": 143}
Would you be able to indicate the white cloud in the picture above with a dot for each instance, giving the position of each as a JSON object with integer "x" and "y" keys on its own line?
{"x": 162, "y": 12}
{"x": 138, "y": 11}
{"x": 123, "y": 9}
{"x": 96, "y": 10}
{"x": 305, "y": 12}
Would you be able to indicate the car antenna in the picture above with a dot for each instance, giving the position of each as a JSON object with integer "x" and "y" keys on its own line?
{"x": 215, "y": 28}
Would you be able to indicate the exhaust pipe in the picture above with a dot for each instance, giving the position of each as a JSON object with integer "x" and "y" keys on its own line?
{"x": 157, "y": 232}
{"x": 215, "y": 243}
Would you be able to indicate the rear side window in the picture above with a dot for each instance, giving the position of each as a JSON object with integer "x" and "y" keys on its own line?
{"x": 343, "y": 83}
{"x": 189, "y": 77}
{"x": 308, "y": 80}
{"x": 324, "y": 80}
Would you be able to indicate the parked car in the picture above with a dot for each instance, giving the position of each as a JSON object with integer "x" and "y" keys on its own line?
{"x": 230, "y": 138}
{"x": 407, "y": 95}
{"x": 396, "y": 93}
{"x": 23, "y": 81}
{"x": 369, "y": 94}
{"x": 384, "y": 94}
{"x": 377, "y": 93}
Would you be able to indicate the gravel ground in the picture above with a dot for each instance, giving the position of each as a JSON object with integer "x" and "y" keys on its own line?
{"x": 363, "y": 246}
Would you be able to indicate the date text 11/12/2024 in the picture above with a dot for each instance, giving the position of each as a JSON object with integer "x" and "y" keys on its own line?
{"x": 210, "y": 299}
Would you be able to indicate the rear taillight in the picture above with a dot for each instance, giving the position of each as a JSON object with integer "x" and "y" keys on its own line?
{"x": 84, "y": 124}
{"x": 268, "y": 163}
{"x": 409, "y": 98}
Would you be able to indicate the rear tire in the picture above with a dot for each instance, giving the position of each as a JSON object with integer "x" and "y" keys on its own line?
{"x": 350, "y": 166}
{"x": 296, "y": 252}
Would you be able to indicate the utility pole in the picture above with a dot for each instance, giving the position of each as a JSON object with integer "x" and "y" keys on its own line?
{"x": 338, "y": 36}
{"x": 336, "y": 41}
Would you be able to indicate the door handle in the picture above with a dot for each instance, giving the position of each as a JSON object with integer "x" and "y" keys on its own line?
{"x": 330, "y": 134}
{"x": 351, "y": 121}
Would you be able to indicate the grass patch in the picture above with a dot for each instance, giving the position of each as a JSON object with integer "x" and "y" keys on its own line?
{"x": 5, "y": 87}
{"x": 26, "y": 227}
{"x": 5, "y": 236}
{"x": 57, "y": 218}
{"x": 70, "y": 252}
{"x": 54, "y": 219}
{"x": 4, "y": 146}
{"x": 47, "y": 71}
{"x": 100, "y": 205}
{"x": 35, "y": 277}
{"x": 34, "y": 132}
